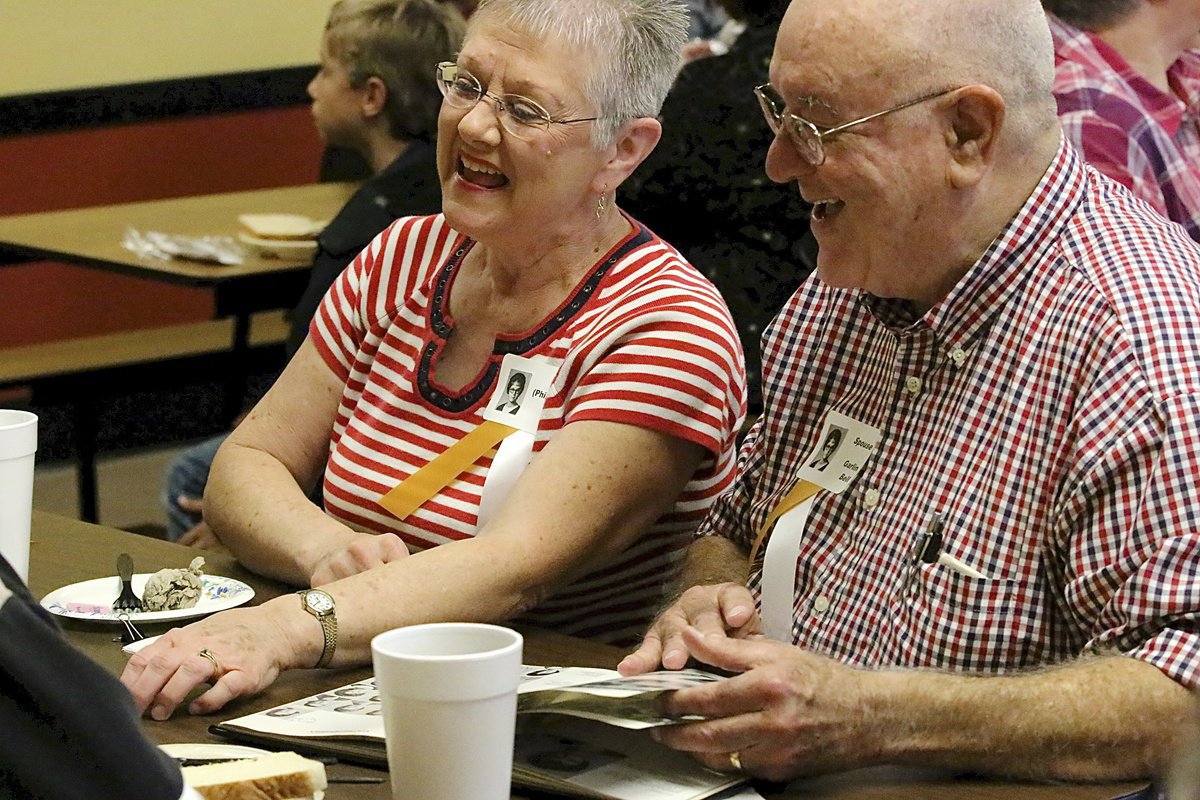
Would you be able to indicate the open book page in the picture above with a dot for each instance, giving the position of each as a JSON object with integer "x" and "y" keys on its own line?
{"x": 615, "y": 700}
{"x": 573, "y": 738}
{"x": 598, "y": 760}
{"x": 354, "y": 710}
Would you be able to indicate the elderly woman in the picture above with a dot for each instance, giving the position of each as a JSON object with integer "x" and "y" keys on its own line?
{"x": 571, "y": 513}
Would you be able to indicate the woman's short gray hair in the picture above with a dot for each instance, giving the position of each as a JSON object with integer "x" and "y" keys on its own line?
{"x": 635, "y": 44}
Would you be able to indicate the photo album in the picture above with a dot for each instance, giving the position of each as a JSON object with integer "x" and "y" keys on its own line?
{"x": 580, "y": 731}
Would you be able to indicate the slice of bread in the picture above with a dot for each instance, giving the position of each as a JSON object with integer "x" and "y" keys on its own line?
{"x": 277, "y": 776}
{"x": 287, "y": 227}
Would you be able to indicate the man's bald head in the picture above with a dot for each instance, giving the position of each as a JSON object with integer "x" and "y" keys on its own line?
{"x": 917, "y": 47}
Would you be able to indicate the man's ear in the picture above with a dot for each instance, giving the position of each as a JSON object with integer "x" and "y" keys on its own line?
{"x": 634, "y": 141}
{"x": 374, "y": 94}
{"x": 973, "y": 124}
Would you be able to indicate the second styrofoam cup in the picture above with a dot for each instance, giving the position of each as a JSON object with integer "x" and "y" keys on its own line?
{"x": 18, "y": 443}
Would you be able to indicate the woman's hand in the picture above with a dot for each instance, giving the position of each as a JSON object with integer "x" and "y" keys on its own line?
{"x": 248, "y": 647}
{"x": 359, "y": 553}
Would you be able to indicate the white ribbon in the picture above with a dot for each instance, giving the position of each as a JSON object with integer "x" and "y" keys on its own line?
{"x": 512, "y": 456}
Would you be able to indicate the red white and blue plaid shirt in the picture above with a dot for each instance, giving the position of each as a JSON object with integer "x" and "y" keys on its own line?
{"x": 1049, "y": 407}
{"x": 1133, "y": 132}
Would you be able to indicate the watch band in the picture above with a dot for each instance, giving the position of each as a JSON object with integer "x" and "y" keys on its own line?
{"x": 328, "y": 620}
{"x": 329, "y": 629}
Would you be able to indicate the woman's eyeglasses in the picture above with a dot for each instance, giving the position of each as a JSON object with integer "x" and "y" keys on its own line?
{"x": 518, "y": 115}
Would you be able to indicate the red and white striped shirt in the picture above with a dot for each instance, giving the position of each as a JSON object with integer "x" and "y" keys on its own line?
{"x": 1049, "y": 407}
{"x": 644, "y": 340}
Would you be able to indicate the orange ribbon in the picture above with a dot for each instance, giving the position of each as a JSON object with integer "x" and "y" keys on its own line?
{"x": 799, "y": 493}
{"x": 424, "y": 484}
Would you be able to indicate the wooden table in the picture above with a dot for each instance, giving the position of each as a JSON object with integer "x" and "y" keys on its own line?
{"x": 65, "y": 551}
{"x": 91, "y": 237}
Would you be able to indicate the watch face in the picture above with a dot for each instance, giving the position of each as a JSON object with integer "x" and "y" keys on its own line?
{"x": 319, "y": 602}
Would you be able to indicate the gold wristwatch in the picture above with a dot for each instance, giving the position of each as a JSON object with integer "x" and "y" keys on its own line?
{"x": 320, "y": 605}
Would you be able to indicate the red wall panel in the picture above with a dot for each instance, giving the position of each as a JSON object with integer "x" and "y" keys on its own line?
{"x": 127, "y": 163}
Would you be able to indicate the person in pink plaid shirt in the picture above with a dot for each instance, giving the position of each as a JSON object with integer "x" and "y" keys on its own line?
{"x": 1000, "y": 571}
{"x": 1128, "y": 91}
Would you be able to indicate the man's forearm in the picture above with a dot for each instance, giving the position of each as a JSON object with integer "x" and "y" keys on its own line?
{"x": 1103, "y": 718}
{"x": 712, "y": 559}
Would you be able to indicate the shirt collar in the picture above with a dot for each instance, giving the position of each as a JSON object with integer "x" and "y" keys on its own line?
{"x": 961, "y": 319}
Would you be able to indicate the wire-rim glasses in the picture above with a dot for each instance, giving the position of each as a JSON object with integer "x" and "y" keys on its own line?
{"x": 809, "y": 138}
{"x": 518, "y": 115}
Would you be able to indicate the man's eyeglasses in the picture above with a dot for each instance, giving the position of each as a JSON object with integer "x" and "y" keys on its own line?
{"x": 809, "y": 138}
{"x": 518, "y": 115}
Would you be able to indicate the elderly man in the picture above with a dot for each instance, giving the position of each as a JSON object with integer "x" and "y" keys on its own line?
{"x": 1000, "y": 569}
{"x": 1128, "y": 91}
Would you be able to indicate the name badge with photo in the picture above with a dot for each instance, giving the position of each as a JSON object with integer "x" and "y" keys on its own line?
{"x": 841, "y": 452}
{"x": 521, "y": 391}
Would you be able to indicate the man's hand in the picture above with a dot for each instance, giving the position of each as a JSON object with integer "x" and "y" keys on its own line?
{"x": 722, "y": 609}
{"x": 789, "y": 713}
{"x": 362, "y": 552}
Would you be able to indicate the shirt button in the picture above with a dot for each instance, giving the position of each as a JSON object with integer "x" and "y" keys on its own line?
{"x": 871, "y": 499}
{"x": 912, "y": 384}
{"x": 821, "y": 604}
{"x": 957, "y": 355}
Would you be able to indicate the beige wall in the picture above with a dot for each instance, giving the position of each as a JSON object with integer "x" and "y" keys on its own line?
{"x": 49, "y": 45}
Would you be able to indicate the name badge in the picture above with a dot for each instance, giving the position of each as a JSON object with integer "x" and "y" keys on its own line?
{"x": 842, "y": 449}
{"x": 517, "y": 400}
{"x": 520, "y": 393}
{"x": 841, "y": 452}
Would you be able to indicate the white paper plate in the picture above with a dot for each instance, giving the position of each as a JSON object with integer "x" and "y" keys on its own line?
{"x": 288, "y": 250}
{"x": 211, "y": 750}
{"x": 219, "y": 594}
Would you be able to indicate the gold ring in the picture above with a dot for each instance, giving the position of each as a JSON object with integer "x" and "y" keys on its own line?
{"x": 206, "y": 653}
{"x": 735, "y": 761}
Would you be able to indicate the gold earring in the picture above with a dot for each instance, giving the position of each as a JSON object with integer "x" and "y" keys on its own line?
{"x": 601, "y": 206}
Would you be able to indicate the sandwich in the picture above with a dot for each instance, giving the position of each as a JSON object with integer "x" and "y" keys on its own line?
{"x": 275, "y": 776}
{"x": 281, "y": 227}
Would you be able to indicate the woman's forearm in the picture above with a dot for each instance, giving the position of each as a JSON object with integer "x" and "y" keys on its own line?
{"x": 263, "y": 516}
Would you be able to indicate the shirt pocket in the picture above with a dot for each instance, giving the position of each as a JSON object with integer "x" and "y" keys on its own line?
{"x": 951, "y": 621}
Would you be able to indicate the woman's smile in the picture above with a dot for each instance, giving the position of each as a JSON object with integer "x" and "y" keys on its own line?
{"x": 482, "y": 175}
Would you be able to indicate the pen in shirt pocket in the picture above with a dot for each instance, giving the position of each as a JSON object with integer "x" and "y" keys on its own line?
{"x": 930, "y": 550}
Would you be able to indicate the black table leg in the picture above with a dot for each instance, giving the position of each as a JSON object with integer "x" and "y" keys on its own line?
{"x": 86, "y": 428}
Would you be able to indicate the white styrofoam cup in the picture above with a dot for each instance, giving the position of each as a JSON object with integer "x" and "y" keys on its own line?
{"x": 18, "y": 443}
{"x": 449, "y": 696}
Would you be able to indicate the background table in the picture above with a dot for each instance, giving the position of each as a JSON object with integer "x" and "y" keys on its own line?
{"x": 91, "y": 237}
{"x": 66, "y": 551}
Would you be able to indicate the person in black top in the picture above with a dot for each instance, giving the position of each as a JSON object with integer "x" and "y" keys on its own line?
{"x": 704, "y": 188}
{"x": 373, "y": 95}
{"x": 70, "y": 730}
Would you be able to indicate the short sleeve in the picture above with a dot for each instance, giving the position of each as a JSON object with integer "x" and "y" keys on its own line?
{"x": 670, "y": 361}
{"x": 1133, "y": 568}
{"x": 367, "y": 291}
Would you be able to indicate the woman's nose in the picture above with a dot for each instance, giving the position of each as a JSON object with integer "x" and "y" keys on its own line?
{"x": 481, "y": 123}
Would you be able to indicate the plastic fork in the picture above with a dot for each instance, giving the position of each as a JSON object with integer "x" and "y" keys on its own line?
{"x": 131, "y": 634}
{"x": 126, "y": 601}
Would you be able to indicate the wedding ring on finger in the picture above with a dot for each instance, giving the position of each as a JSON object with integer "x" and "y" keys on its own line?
{"x": 735, "y": 761}
{"x": 206, "y": 653}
